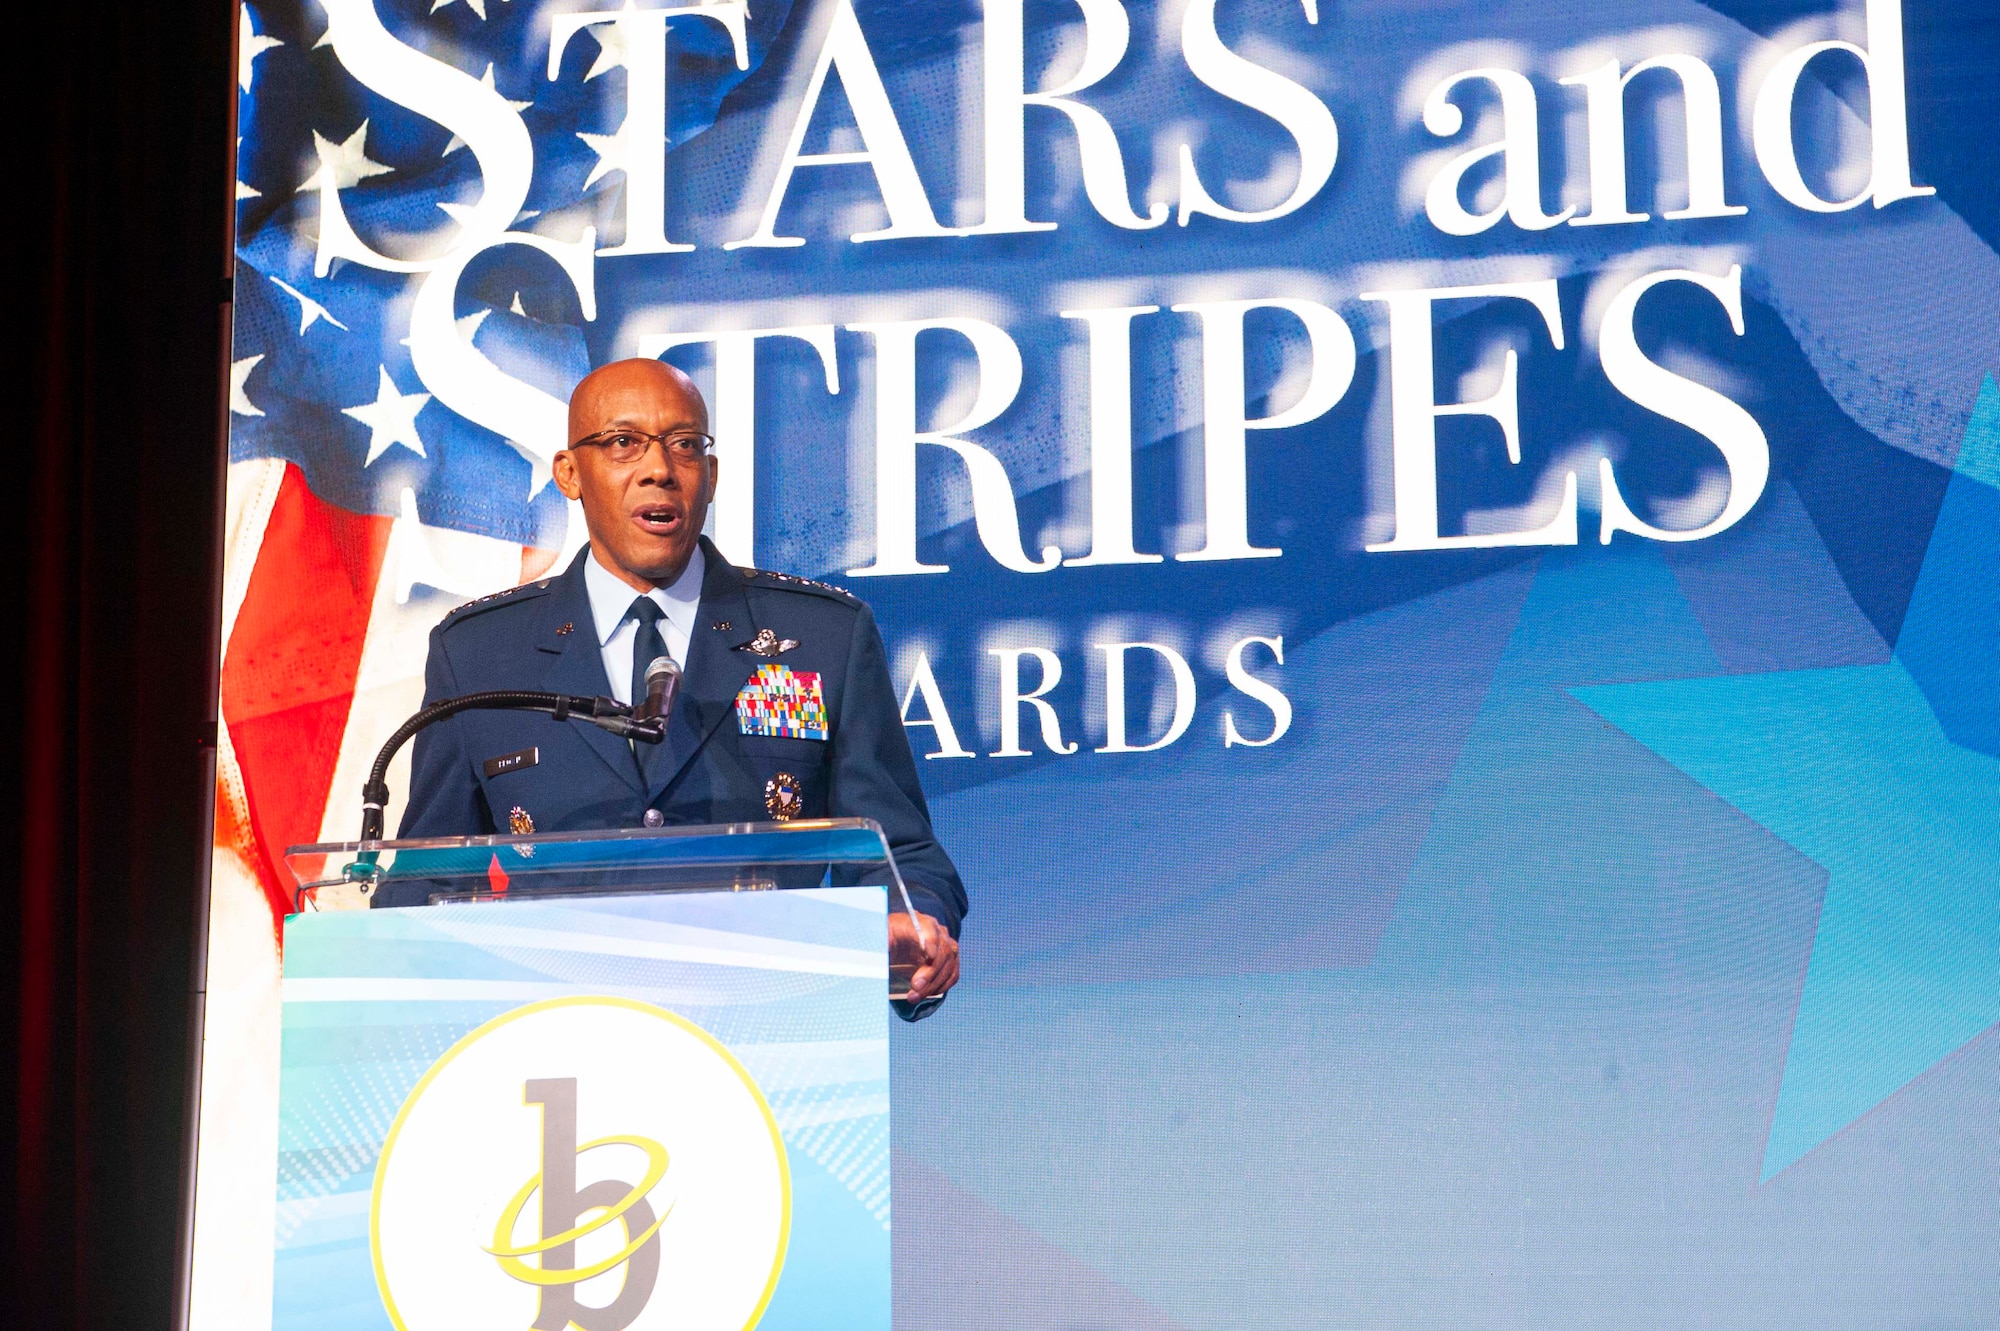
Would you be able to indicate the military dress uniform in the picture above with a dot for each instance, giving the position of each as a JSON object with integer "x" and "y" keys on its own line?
{"x": 785, "y": 710}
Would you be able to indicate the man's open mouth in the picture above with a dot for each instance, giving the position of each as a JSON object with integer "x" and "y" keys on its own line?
{"x": 658, "y": 519}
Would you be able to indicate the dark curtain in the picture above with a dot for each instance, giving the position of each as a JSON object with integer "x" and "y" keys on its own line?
{"x": 118, "y": 198}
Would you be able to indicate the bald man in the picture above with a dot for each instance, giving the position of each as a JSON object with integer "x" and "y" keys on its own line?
{"x": 785, "y": 708}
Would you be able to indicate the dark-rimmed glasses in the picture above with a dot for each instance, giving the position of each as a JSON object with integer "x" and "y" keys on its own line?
{"x": 624, "y": 446}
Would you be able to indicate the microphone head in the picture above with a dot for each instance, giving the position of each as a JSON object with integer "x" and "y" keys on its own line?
{"x": 662, "y": 665}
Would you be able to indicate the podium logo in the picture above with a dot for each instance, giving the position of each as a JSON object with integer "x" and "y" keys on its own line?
{"x": 594, "y": 1163}
{"x": 557, "y": 1274}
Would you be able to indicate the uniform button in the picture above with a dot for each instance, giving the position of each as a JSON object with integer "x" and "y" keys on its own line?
{"x": 654, "y": 818}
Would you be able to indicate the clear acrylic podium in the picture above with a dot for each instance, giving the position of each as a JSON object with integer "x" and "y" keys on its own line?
{"x": 589, "y": 1079}
{"x": 715, "y": 857}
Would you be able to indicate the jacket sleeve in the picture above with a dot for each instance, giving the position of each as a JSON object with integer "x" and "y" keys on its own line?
{"x": 875, "y": 776}
{"x": 444, "y": 798}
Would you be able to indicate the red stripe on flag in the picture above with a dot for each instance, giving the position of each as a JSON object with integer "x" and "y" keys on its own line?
{"x": 289, "y": 671}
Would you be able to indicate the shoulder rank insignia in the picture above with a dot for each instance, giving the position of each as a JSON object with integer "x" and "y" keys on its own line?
{"x": 782, "y": 702}
{"x": 794, "y": 580}
{"x": 492, "y": 599}
{"x": 767, "y": 643}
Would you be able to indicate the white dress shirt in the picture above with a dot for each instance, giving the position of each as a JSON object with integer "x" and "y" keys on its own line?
{"x": 610, "y": 600}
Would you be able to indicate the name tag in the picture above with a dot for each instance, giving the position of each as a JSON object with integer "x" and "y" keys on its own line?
{"x": 512, "y": 762}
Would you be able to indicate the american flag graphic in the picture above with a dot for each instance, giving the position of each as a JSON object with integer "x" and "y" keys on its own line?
{"x": 362, "y": 508}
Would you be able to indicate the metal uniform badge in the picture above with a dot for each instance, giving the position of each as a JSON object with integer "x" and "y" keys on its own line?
{"x": 782, "y": 702}
{"x": 767, "y": 643}
{"x": 784, "y": 798}
{"x": 519, "y": 822}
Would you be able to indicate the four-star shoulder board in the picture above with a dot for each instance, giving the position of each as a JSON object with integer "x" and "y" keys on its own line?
{"x": 792, "y": 582}
{"x": 496, "y": 599}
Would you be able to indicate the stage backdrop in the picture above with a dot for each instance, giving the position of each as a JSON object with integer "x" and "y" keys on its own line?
{"x": 1439, "y": 559}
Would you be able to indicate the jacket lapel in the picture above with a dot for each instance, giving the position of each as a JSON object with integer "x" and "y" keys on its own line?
{"x": 568, "y": 634}
{"x": 712, "y": 675}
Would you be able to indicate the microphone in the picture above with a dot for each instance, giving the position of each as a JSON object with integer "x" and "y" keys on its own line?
{"x": 663, "y": 680}
{"x": 604, "y": 713}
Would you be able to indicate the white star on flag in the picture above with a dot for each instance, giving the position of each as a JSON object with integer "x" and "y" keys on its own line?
{"x": 310, "y": 310}
{"x": 239, "y": 378}
{"x": 539, "y": 474}
{"x": 346, "y": 162}
{"x": 467, "y": 326}
{"x": 248, "y": 47}
{"x": 476, "y": 6}
{"x": 486, "y": 79}
{"x": 611, "y": 46}
{"x": 243, "y": 191}
{"x": 610, "y": 150}
{"x": 391, "y": 419}
{"x": 457, "y": 562}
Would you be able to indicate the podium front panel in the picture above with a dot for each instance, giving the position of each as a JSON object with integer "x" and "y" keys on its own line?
{"x": 615, "y": 1111}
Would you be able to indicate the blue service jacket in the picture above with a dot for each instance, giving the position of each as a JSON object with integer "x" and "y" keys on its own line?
{"x": 541, "y": 636}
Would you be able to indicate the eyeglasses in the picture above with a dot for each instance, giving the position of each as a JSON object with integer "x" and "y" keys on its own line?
{"x": 624, "y": 446}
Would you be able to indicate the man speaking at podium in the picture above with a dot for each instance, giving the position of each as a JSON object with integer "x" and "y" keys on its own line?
{"x": 785, "y": 708}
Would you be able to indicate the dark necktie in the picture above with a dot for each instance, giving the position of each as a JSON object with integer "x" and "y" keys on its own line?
{"x": 647, "y": 644}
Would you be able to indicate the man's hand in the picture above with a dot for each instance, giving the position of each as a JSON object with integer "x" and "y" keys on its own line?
{"x": 926, "y": 944}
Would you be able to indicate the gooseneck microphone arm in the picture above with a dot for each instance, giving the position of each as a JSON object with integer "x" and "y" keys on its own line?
{"x": 604, "y": 713}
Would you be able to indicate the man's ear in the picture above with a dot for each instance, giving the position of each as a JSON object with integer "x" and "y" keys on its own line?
{"x": 563, "y": 468}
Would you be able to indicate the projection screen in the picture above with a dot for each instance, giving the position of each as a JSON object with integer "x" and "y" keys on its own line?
{"x": 1438, "y": 560}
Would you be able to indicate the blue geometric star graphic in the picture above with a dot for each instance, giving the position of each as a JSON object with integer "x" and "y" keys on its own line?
{"x": 1887, "y": 776}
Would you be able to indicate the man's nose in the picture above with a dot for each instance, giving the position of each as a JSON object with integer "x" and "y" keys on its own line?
{"x": 656, "y": 468}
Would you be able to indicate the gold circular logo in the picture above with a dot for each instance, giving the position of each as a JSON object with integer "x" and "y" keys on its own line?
{"x": 587, "y": 1161}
